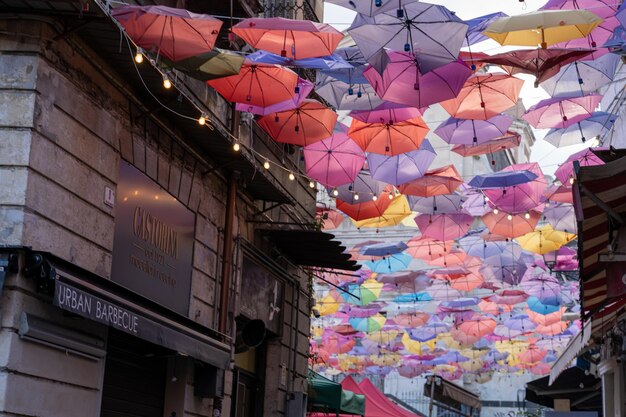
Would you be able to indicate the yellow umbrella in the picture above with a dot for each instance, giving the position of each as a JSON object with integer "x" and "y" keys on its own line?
{"x": 327, "y": 305}
{"x": 409, "y": 220}
{"x": 544, "y": 28}
{"x": 383, "y": 336}
{"x": 449, "y": 341}
{"x": 415, "y": 347}
{"x": 472, "y": 365}
{"x": 544, "y": 239}
{"x": 397, "y": 211}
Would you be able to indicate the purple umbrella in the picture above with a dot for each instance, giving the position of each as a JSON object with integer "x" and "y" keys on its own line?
{"x": 583, "y": 77}
{"x": 437, "y": 204}
{"x": 461, "y": 302}
{"x": 402, "y": 168}
{"x": 334, "y": 161}
{"x": 431, "y": 32}
{"x": 386, "y": 113}
{"x": 329, "y": 62}
{"x": 474, "y": 245}
{"x": 361, "y": 190}
{"x": 561, "y": 112}
{"x": 520, "y": 322}
{"x": 519, "y": 198}
{"x": 602, "y": 8}
{"x": 477, "y": 26}
{"x": 475, "y": 203}
{"x": 429, "y": 331}
{"x": 502, "y": 179}
{"x": 469, "y": 132}
{"x": 384, "y": 249}
{"x": 594, "y": 126}
{"x": 303, "y": 88}
{"x": 361, "y": 311}
{"x": 395, "y": 77}
{"x": 586, "y": 157}
{"x": 442, "y": 291}
{"x": 346, "y": 89}
{"x": 507, "y": 267}
{"x": 561, "y": 217}
{"x": 545, "y": 288}
{"x": 371, "y": 7}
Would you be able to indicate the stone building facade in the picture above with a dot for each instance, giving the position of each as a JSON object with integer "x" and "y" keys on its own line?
{"x": 70, "y": 120}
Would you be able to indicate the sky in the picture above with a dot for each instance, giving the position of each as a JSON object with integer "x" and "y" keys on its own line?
{"x": 545, "y": 154}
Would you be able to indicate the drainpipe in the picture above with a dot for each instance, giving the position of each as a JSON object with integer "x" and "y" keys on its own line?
{"x": 227, "y": 255}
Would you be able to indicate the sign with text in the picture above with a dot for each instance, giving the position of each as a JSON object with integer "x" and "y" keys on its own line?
{"x": 153, "y": 241}
{"x": 261, "y": 295}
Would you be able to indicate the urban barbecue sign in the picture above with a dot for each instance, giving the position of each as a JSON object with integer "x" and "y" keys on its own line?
{"x": 153, "y": 242}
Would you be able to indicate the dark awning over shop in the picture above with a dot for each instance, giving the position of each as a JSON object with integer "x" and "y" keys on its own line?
{"x": 583, "y": 391}
{"x": 101, "y": 300}
{"x": 449, "y": 393}
{"x": 328, "y": 396}
{"x": 312, "y": 248}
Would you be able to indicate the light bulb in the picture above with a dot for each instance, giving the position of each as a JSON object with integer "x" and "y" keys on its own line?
{"x": 266, "y": 165}
{"x": 236, "y": 147}
{"x": 356, "y": 196}
{"x": 166, "y": 82}
{"x": 509, "y": 217}
{"x": 375, "y": 198}
{"x": 527, "y": 216}
{"x": 138, "y": 57}
{"x": 390, "y": 196}
{"x": 571, "y": 181}
{"x": 335, "y": 192}
{"x": 202, "y": 120}
{"x": 496, "y": 211}
{"x": 291, "y": 176}
{"x": 486, "y": 198}
{"x": 312, "y": 184}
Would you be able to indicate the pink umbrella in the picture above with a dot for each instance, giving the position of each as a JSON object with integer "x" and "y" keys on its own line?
{"x": 423, "y": 247}
{"x": 561, "y": 112}
{"x": 519, "y": 198}
{"x": 532, "y": 354}
{"x": 386, "y": 113}
{"x": 586, "y": 157}
{"x": 560, "y": 194}
{"x": 442, "y": 291}
{"x": 303, "y": 89}
{"x": 334, "y": 161}
{"x": 509, "y": 297}
{"x": 510, "y": 225}
{"x": 402, "y": 82}
{"x": 444, "y": 226}
{"x": 175, "y": 33}
{"x": 478, "y": 326}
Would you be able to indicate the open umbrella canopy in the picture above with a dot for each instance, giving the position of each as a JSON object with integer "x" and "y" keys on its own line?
{"x": 581, "y": 78}
{"x": 543, "y": 28}
{"x": 388, "y": 264}
{"x": 258, "y": 85}
{"x": 511, "y": 225}
{"x": 437, "y": 204}
{"x": 477, "y": 26}
{"x": 542, "y": 63}
{"x": 502, "y": 179}
{"x": 306, "y": 124}
{"x": 545, "y": 239}
{"x": 586, "y": 157}
{"x": 386, "y": 113}
{"x": 431, "y": 32}
{"x": 561, "y": 217}
{"x": 389, "y": 138}
{"x": 519, "y": 198}
{"x": 371, "y": 7}
{"x": 484, "y": 96}
{"x": 468, "y": 132}
{"x": 561, "y": 112}
{"x": 444, "y": 226}
{"x": 393, "y": 215}
{"x": 510, "y": 140}
{"x": 364, "y": 188}
{"x": 404, "y": 167}
{"x": 396, "y": 78}
{"x": 444, "y": 180}
{"x": 593, "y": 126}
{"x": 602, "y": 8}
{"x": 295, "y": 39}
{"x": 301, "y": 92}
{"x": 365, "y": 210}
{"x": 329, "y": 62}
{"x": 334, "y": 161}
{"x": 206, "y": 66}
{"x": 174, "y": 33}
{"x": 346, "y": 89}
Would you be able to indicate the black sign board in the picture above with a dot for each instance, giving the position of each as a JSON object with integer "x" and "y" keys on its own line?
{"x": 153, "y": 242}
{"x": 262, "y": 295}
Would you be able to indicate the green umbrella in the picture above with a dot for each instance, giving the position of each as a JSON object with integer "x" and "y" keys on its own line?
{"x": 207, "y": 66}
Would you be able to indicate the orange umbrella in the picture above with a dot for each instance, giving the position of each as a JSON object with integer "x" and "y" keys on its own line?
{"x": 552, "y": 329}
{"x": 423, "y": 247}
{"x": 258, "y": 85}
{"x": 484, "y": 96}
{"x": 453, "y": 257}
{"x": 438, "y": 181}
{"x": 366, "y": 210}
{"x": 306, "y": 124}
{"x": 511, "y": 225}
{"x": 389, "y": 138}
{"x": 415, "y": 319}
{"x": 295, "y": 39}
{"x": 478, "y": 326}
{"x": 545, "y": 319}
{"x": 467, "y": 282}
{"x": 330, "y": 219}
{"x": 489, "y": 307}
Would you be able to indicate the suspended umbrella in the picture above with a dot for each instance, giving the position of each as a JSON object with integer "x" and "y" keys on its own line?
{"x": 416, "y": 319}
{"x": 509, "y": 297}
{"x": 467, "y": 282}
{"x": 452, "y": 258}
{"x": 561, "y": 112}
{"x": 328, "y": 62}
{"x": 519, "y": 198}
{"x": 586, "y": 157}
{"x": 371, "y": 7}
{"x": 546, "y": 319}
{"x": 335, "y": 343}
{"x": 346, "y": 89}
{"x": 433, "y": 33}
{"x": 548, "y": 292}
{"x": 469, "y": 131}
{"x": 472, "y": 365}
{"x": 508, "y": 268}
{"x": 602, "y": 8}
{"x": 535, "y": 305}
{"x": 423, "y": 247}
{"x": 478, "y": 326}
{"x": 334, "y": 161}
{"x": 258, "y": 85}
{"x": 474, "y": 245}
{"x": 444, "y": 226}
{"x": 302, "y": 90}
{"x": 478, "y": 25}
{"x": 597, "y": 38}
{"x": 489, "y": 307}
{"x": 444, "y": 180}
{"x": 396, "y": 77}
{"x": 532, "y": 354}
{"x": 412, "y": 297}
{"x": 393, "y": 215}
{"x": 413, "y": 280}
{"x": 484, "y": 96}
{"x": 502, "y": 179}
{"x": 365, "y": 210}
{"x": 413, "y": 369}
{"x": 544, "y": 239}
{"x": 364, "y": 188}
{"x": 388, "y": 264}
{"x": 552, "y": 329}
{"x": 520, "y": 322}
{"x": 363, "y": 295}
{"x": 594, "y": 126}
{"x": 295, "y": 39}
{"x": 308, "y": 123}
{"x": 428, "y": 331}
{"x": 386, "y": 113}
{"x": 437, "y": 204}
{"x": 403, "y": 167}
{"x": 384, "y": 249}
{"x": 560, "y": 194}
{"x": 511, "y": 225}
{"x": 206, "y": 66}
{"x": 331, "y": 219}
{"x": 442, "y": 291}
{"x": 174, "y": 33}
{"x": 368, "y": 324}
{"x": 472, "y": 59}
{"x": 581, "y": 78}
{"x": 389, "y": 138}
{"x": 543, "y": 28}
{"x": 561, "y": 217}
{"x": 511, "y": 140}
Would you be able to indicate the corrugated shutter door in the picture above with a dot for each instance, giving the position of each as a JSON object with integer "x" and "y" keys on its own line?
{"x": 134, "y": 378}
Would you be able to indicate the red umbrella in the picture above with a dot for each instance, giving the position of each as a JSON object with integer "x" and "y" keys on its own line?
{"x": 510, "y": 225}
{"x": 444, "y": 180}
{"x": 542, "y": 63}
{"x": 423, "y": 247}
{"x": 366, "y": 210}
{"x": 444, "y": 226}
{"x": 484, "y": 96}
{"x": 295, "y": 39}
{"x": 493, "y": 146}
{"x": 308, "y": 123}
{"x": 258, "y": 85}
{"x": 478, "y": 326}
{"x": 389, "y": 138}
{"x": 561, "y": 112}
{"x": 175, "y": 33}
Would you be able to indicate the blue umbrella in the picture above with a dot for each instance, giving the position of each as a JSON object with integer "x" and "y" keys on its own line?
{"x": 391, "y": 263}
{"x": 384, "y": 249}
{"x": 461, "y": 302}
{"x": 477, "y": 26}
{"x": 502, "y": 179}
{"x": 429, "y": 331}
{"x": 595, "y": 125}
{"x": 412, "y": 297}
{"x": 582, "y": 77}
{"x": 402, "y": 168}
{"x": 534, "y": 304}
{"x": 330, "y": 62}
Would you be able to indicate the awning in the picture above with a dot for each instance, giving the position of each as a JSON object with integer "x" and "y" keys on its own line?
{"x": 312, "y": 248}
{"x": 447, "y": 392}
{"x": 600, "y": 201}
{"x": 583, "y": 391}
{"x": 571, "y": 351}
{"x": 328, "y": 396}
{"x": 101, "y": 300}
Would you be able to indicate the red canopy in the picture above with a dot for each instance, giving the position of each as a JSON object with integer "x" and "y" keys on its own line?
{"x": 376, "y": 403}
